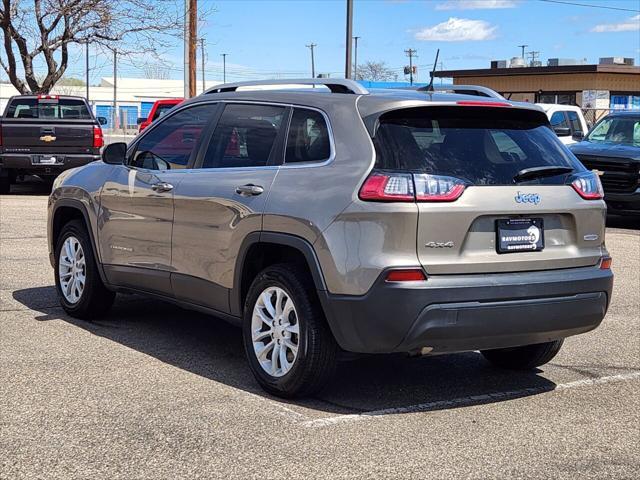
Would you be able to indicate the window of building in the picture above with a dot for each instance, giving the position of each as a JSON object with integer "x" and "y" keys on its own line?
{"x": 308, "y": 139}
{"x": 244, "y": 137}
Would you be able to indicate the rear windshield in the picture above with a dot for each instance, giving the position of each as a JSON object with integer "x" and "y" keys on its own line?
{"x": 64, "y": 108}
{"x": 162, "y": 110}
{"x": 622, "y": 130}
{"x": 484, "y": 146}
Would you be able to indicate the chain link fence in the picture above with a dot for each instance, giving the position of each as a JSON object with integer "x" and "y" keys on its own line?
{"x": 592, "y": 115}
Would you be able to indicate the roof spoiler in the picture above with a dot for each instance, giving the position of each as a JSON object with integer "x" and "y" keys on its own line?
{"x": 335, "y": 85}
{"x": 476, "y": 90}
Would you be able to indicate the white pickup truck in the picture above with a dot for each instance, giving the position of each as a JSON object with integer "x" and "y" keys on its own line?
{"x": 567, "y": 121}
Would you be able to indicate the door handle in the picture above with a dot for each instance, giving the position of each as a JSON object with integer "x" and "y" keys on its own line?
{"x": 162, "y": 187}
{"x": 249, "y": 190}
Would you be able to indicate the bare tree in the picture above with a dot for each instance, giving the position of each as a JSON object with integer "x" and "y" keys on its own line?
{"x": 38, "y": 33}
{"x": 375, "y": 71}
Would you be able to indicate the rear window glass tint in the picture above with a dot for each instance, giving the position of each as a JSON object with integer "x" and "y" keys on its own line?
{"x": 64, "y": 108}
{"x": 483, "y": 146}
{"x": 308, "y": 139}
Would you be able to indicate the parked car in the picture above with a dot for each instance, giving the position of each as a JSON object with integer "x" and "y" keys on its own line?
{"x": 336, "y": 219}
{"x": 612, "y": 148}
{"x": 158, "y": 110}
{"x": 46, "y": 134}
{"x": 567, "y": 121}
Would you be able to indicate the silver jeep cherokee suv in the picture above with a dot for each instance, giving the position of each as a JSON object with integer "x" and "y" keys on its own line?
{"x": 326, "y": 218}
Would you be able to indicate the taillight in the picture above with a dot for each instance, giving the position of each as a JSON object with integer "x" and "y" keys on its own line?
{"x": 407, "y": 187}
{"x": 437, "y": 188}
{"x": 605, "y": 263}
{"x": 98, "y": 139}
{"x": 406, "y": 275}
{"x": 394, "y": 187}
{"x": 588, "y": 186}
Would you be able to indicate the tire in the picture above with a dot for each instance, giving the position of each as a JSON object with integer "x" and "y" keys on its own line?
{"x": 311, "y": 367}
{"x": 526, "y": 357}
{"x": 5, "y": 185}
{"x": 93, "y": 300}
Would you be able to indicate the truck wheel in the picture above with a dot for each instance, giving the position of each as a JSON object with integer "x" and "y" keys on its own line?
{"x": 80, "y": 289}
{"x": 526, "y": 357}
{"x": 5, "y": 185}
{"x": 289, "y": 345}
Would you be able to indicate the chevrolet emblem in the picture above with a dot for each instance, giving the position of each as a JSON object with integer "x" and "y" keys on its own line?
{"x": 47, "y": 138}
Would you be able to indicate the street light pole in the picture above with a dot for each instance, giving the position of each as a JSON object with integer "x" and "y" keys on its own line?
{"x": 224, "y": 67}
{"x": 186, "y": 48}
{"x": 202, "y": 53}
{"x": 87, "y": 69}
{"x": 348, "y": 42}
{"x": 355, "y": 58}
{"x": 313, "y": 63}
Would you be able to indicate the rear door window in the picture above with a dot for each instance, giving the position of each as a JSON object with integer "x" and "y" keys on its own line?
{"x": 308, "y": 139}
{"x": 245, "y": 136}
{"x": 483, "y": 146}
{"x": 574, "y": 120}
{"x": 49, "y": 109}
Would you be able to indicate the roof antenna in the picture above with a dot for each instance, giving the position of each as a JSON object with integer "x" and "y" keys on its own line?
{"x": 433, "y": 73}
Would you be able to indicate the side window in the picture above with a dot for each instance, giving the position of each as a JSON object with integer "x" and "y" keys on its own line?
{"x": 576, "y": 126}
{"x": 170, "y": 144}
{"x": 244, "y": 137}
{"x": 308, "y": 139}
{"x": 558, "y": 120}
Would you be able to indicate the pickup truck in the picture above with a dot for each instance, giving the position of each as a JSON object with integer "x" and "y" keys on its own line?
{"x": 45, "y": 134}
{"x": 158, "y": 110}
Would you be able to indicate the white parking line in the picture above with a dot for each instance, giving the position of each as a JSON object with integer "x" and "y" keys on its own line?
{"x": 466, "y": 401}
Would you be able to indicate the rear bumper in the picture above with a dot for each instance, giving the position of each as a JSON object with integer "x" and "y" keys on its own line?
{"x": 22, "y": 162}
{"x": 452, "y": 313}
{"x": 623, "y": 203}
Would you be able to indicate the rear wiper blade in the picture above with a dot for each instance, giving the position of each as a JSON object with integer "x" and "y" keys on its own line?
{"x": 540, "y": 172}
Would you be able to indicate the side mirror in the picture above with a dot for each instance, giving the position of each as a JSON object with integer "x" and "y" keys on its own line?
{"x": 114, "y": 153}
{"x": 102, "y": 120}
{"x": 141, "y": 120}
{"x": 578, "y": 135}
{"x": 562, "y": 131}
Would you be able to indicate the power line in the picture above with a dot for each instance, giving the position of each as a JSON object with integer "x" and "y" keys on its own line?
{"x": 562, "y": 2}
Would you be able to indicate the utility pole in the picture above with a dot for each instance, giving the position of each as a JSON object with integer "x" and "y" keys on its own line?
{"x": 202, "y": 53}
{"x": 355, "y": 58}
{"x": 411, "y": 53}
{"x": 311, "y": 46}
{"x": 224, "y": 67}
{"x": 348, "y": 42}
{"x": 115, "y": 88}
{"x": 187, "y": 17}
{"x": 523, "y": 47}
{"x": 87, "y": 69}
{"x": 534, "y": 56}
{"x": 193, "y": 39}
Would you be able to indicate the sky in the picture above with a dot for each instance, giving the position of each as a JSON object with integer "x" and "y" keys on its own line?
{"x": 265, "y": 39}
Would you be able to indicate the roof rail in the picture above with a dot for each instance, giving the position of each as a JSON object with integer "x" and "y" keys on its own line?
{"x": 476, "y": 90}
{"x": 336, "y": 85}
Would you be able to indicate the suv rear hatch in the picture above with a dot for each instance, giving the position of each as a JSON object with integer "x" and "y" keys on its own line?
{"x": 495, "y": 188}
{"x": 48, "y": 124}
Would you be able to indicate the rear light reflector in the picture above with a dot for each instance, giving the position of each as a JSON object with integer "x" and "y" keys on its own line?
{"x": 588, "y": 186}
{"x": 395, "y": 187}
{"x": 605, "y": 263}
{"x": 437, "y": 188}
{"x": 480, "y": 103}
{"x": 406, "y": 275}
{"x": 98, "y": 139}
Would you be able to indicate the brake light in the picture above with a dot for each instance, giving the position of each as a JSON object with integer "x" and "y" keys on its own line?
{"x": 605, "y": 263}
{"x": 407, "y": 187}
{"x": 394, "y": 187}
{"x": 47, "y": 97}
{"x": 588, "y": 186}
{"x": 480, "y": 103}
{"x": 98, "y": 138}
{"x": 437, "y": 188}
{"x": 406, "y": 275}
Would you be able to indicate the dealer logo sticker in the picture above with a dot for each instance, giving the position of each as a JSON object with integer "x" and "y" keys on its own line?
{"x": 527, "y": 198}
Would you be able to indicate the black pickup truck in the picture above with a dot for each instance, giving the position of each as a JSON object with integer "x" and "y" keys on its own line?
{"x": 46, "y": 134}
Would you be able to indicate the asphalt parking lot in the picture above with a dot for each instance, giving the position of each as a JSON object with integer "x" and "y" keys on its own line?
{"x": 153, "y": 391}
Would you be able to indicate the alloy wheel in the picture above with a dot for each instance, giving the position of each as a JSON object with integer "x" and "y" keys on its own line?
{"x": 72, "y": 270}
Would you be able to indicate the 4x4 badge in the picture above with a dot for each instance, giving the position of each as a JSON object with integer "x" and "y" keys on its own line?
{"x": 448, "y": 244}
{"x": 527, "y": 198}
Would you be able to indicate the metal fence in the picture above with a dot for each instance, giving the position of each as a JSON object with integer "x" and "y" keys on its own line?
{"x": 592, "y": 115}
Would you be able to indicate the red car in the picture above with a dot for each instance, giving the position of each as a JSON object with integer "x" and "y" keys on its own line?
{"x": 159, "y": 109}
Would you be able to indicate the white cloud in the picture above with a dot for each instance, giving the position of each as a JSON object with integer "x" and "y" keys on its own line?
{"x": 475, "y": 4}
{"x": 630, "y": 25}
{"x": 458, "y": 30}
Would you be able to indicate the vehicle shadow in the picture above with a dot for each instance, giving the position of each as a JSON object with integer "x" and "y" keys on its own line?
{"x": 31, "y": 185}
{"x": 213, "y": 349}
